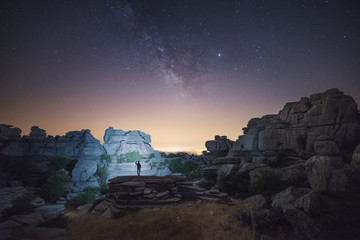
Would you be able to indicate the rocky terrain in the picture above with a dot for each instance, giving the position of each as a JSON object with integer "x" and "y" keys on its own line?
{"x": 298, "y": 168}
{"x": 291, "y": 175}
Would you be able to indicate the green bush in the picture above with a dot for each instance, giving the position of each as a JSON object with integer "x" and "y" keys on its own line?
{"x": 176, "y": 155}
{"x": 133, "y": 156}
{"x": 101, "y": 174}
{"x": 106, "y": 158}
{"x": 88, "y": 196}
{"x": 188, "y": 168}
{"x": 230, "y": 183}
{"x": 121, "y": 158}
{"x": 152, "y": 156}
{"x": 56, "y": 164}
{"x": 268, "y": 184}
{"x": 104, "y": 188}
{"x": 21, "y": 204}
{"x": 55, "y": 186}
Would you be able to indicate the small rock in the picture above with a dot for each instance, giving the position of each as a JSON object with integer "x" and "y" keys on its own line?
{"x": 50, "y": 211}
{"x": 38, "y": 202}
{"x": 28, "y": 219}
{"x": 256, "y": 201}
{"x": 162, "y": 194}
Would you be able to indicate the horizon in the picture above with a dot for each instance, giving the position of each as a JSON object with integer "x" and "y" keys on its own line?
{"x": 166, "y": 149}
{"x": 181, "y": 72}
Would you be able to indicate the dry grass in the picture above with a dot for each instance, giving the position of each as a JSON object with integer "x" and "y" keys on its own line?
{"x": 198, "y": 221}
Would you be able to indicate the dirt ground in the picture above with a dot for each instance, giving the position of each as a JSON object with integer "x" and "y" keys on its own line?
{"x": 187, "y": 221}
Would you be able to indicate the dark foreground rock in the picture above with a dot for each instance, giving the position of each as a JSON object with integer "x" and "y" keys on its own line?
{"x": 149, "y": 191}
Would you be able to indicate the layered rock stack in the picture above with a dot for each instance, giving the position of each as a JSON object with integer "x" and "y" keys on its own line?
{"x": 148, "y": 191}
{"x": 298, "y": 125}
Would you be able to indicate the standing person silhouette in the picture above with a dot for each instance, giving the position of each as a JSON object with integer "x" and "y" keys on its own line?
{"x": 138, "y": 167}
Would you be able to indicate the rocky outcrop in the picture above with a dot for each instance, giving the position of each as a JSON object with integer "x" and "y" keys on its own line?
{"x": 220, "y": 144}
{"x": 298, "y": 125}
{"x": 119, "y": 142}
{"x": 147, "y": 191}
{"x": 74, "y": 144}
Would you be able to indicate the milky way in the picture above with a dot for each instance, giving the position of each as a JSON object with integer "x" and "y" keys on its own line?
{"x": 182, "y": 71}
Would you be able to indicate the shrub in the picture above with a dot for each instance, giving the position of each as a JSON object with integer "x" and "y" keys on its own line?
{"x": 188, "y": 168}
{"x": 21, "y": 204}
{"x": 55, "y": 186}
{"x": 106, "y": 158}
{"x": 268, "y": 184}
{"x": 56, "y": 164}
{"x": 121, "y": 158}
{"x": 176, "y": 155}
{"x": 101, "y": 174}
{"x": 152, "y": 156}
{"x": 104, "y": 188}
{"x": 230, "y": 183}
{"x": 88, "y": 196}
{"x": 133, "y": 156}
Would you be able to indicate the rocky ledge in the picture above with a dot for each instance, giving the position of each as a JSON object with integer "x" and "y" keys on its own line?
{"x": 149, "y": 191}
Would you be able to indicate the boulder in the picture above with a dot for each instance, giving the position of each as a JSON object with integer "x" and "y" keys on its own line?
{"x": 309, "y": 203}
{"x": 118, "y": 142}
{"x": 28, "y": 219}
{"x": 83, "y": 170}
{"x": 303, "y": 225}
{"x": 220, "y": 144}
{"x": 38, "y": 202}
{"x": 256, "y": 201}
{"x": 326, "y": 147}
{"x": 287, "y": 197}
{"x": 50, "y": 211}
{"x": 319, "y": 170}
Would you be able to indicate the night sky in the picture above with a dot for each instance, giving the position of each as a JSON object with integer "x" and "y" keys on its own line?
{"x": 181, "y": 71}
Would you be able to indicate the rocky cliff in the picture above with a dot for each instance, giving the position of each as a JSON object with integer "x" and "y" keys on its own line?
{"x": 298, "y": 125}
{"x": 119, "y": 142}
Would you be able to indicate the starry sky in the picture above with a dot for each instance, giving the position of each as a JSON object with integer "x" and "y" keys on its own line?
{"x": 181, "y": 71}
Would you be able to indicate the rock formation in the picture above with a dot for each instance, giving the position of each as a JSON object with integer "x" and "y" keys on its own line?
{"x": 220, "y": 144}
{"x": 298, "y": 125}
{"x": 74, "y": 144}
{"x": 118, "y": 142}
{"x": 146, "y": 191}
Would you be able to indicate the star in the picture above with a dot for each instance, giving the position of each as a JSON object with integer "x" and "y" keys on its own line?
{"x": 219, "y": 54}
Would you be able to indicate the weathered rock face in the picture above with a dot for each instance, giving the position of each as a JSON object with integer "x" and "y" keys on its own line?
{"x": 298, "y": 125}
{"x": 75, "y": 144}
{"x": 220, "y": 144}
{"x": 356, "y": 157}
{"x": 320, "y": 169}
{"x": 118, "y": 142}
